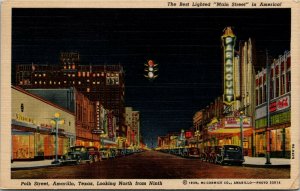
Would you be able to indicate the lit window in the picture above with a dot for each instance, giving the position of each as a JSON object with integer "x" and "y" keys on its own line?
{"x": 98, "y": 74}
{"x": 69, "y": 67}
{"x": 73, "y": 66}
{"x": 69, "y": 75}
{"x": 79, "y": 74}
{"x": 65, "y": 67}
{"x": 44, "y": 82}
{"x": 40, "y": 82}
{"x": 79, "y": 82}
{"x": 44, "y": 75}
{"x": 65, "y": 82}
{"x": 35, "y": 82}
{"x": 21, "y": 82}
{"x": 98, "y": 82}
{"x": 40, "y": 75}
{"x": 117, "y": 74}
{"x": 35, "y": 75}
{"x": 58, "y": 83}
{"x": 83, "y": 74}
{"x": 50, "y": 82}
{"x": 88, "y": 74}
{"x": 94, "y": 75}
{"x": 73, "y": 82}
{"x": 73, "y": 75}
{"x": 88, "y": 89}
{"x": 102, "y": 74}
{"x": 54, "y": 82}
{"x": 87, "y": 80}
{"x": 94, "y": 82}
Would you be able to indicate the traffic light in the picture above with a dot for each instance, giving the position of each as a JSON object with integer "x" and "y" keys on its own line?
{"x": 151, "y": 70}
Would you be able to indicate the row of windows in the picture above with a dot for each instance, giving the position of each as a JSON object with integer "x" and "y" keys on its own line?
{"x": 82, "y": 74}
{"x": 65, "y": 82}
{"x": 278, "y": 86}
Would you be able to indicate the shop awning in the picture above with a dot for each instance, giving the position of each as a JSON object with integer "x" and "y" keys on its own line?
{"x": 229, "y": 125}
{"x": 229, "y": 130}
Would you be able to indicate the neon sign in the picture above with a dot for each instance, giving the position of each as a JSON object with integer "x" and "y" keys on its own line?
{"x": 228, "y": 43}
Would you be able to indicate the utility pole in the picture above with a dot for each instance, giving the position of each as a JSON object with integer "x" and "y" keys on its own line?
{"x": 268, "y": 112}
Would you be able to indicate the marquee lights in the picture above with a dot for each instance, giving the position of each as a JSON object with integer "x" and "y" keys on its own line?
{"x": 228, "y": 44}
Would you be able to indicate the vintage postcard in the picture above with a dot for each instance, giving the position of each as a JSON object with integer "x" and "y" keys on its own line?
{"x": 150, "y": 94}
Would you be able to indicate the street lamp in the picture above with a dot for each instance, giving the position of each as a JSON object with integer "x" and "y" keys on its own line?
{"x": 57, "y": 120}
{"x": 197, "y": 134}
{"x": 268, "y": 112}
{"x": 241, "y": 133}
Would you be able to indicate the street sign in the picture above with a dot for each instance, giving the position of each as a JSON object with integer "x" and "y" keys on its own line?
{"x": 97, "y": 131}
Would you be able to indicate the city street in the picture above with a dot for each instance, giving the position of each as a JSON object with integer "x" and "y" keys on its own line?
{"x": 150, "y": 165}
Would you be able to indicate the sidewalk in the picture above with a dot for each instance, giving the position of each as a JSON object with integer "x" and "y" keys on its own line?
{"x": 260, "y": 162}
{"x": 249, "y": 162}
{"x": 23, "y": 165}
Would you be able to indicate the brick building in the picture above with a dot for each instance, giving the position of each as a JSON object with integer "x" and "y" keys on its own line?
{"x": 100, "y": 83}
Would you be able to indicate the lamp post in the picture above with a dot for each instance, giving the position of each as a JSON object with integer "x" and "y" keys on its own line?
{"x": 56, "y": 119}
{"x": 197, "y": 135}
{"x": 268, "y": 112}
{"x": 241, "y": 133}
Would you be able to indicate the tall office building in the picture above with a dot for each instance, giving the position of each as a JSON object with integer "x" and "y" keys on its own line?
{"x": 100, "y": 83}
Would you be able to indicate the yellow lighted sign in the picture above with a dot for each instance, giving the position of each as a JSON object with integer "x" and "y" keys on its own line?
{"x": 228, "y": 43}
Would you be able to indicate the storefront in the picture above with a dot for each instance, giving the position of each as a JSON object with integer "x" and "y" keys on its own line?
{"x": 280, "y": 122}
{"x": 227, "y": 131}
{"x": 32, "y": 132}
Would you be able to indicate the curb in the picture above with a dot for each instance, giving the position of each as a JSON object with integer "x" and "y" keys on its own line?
{"x": 267, "y": 166}
{"x": 32, "y": 167}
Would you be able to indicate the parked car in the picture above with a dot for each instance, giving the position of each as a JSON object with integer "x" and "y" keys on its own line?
{"x": 193, "y": 152}
{"x": 105, "y": 153}
{"x": 77, "y": 154}
{"x": 94, "y": 154}
{"x": 120, "y": 153}
{"x": 113, "y": 152}
{"x": 230, "y": 154}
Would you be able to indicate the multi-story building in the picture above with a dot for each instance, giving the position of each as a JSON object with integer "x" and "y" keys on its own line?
{"x": 133, "y": 127}
{"x": 102, "y": 83}
{"x": 221, "y": 119}
{"x": 32, "y": 127}
{"x": 80, "y": 105}
{"x": 279, "y": 108}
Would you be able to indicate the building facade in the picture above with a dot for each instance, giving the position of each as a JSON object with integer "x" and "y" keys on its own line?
{"x": 103, "y": 83}
{"x": 220, "y": 122}
{"x": 132, "y": 119}
{"x": 32, "y": 127}
{"x": 80, "y": 105}
{"x": 279, "y": 108}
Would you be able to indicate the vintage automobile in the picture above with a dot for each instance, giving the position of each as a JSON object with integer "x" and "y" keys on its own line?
{"x": 105, "y": 153}
{"x": 94, "y": 154}
{"x": 77, "y": 154}
{"x": 193, "y": 152}
{"x": 230, "y": 154}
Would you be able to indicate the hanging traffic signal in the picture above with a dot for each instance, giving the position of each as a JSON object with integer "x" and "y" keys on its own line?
{"x": 151, "y": 70}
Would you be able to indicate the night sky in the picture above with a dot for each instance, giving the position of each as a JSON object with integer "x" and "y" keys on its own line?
{"x": 184, "y": 42}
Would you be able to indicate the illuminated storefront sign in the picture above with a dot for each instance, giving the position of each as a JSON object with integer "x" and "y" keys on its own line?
{"x": 188, "y": 134}
{"x": 280, "y": 104}
{"x": 228, "y": 43}
{"x": 110, "y": 125}
{"x": 236, "y": 122}
{"x": 26, "y": 119}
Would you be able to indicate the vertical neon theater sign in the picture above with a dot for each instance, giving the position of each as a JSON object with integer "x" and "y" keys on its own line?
{"x": 228, "y": 40}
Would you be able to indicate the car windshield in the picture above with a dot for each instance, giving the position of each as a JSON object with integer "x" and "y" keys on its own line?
{"x": 232, "y": 149}
{"x": 72, "y": 149}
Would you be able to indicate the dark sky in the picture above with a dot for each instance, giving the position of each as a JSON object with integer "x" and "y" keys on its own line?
{"x": 184, "y": 42}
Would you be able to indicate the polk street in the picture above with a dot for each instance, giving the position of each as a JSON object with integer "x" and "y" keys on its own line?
{"x": 151, "y": 165}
